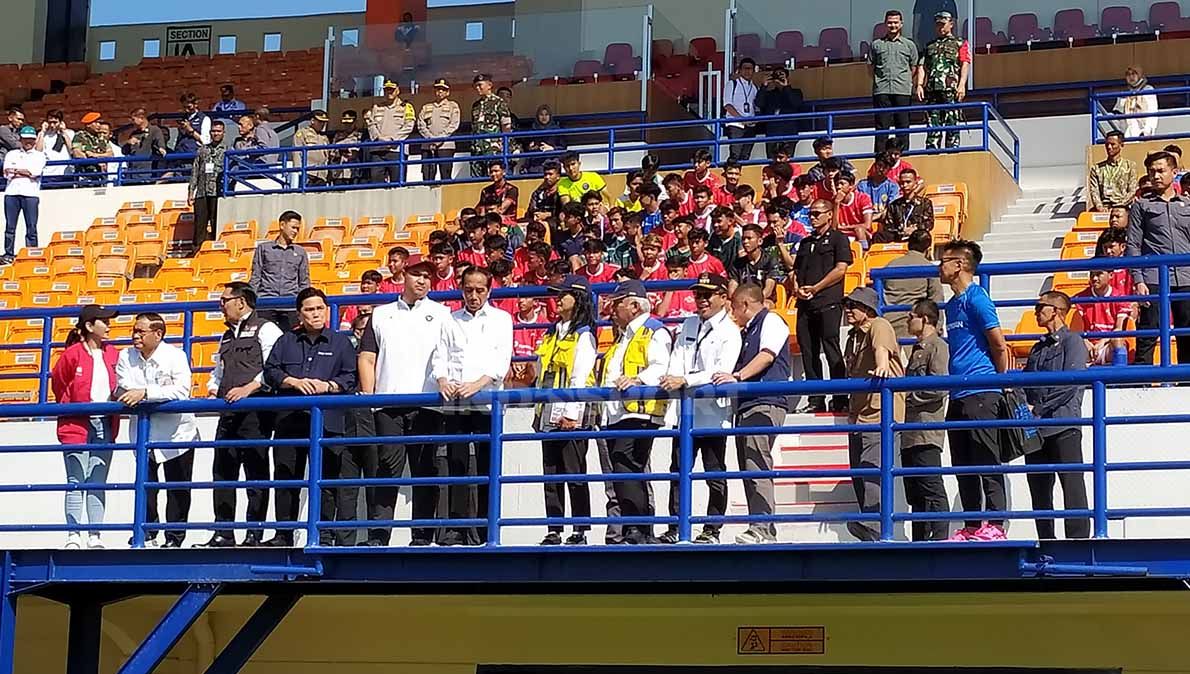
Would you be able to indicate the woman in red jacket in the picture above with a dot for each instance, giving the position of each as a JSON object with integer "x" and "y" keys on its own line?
{"x": 86, "y": 373}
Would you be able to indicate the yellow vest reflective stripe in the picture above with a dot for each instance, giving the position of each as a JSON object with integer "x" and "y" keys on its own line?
{"x": 636, "y": 358}
{"x": 557, "y": 360}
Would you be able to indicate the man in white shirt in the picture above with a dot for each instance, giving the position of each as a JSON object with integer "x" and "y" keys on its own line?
{"x": 739, "y": 102}
{"x": 640, "y": 357}
{"x": 153, "y": 371}
{"x": 55, "y": 140}
{"x": 239, "y": 374}
{"x": 396, "y": 357}
{"x": 474, "y": 355}
{"x": 23, "y": 168}
{"x": 706, "y": 344}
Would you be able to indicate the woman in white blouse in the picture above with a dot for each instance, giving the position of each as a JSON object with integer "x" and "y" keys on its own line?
{"x": 1140, "y": 99}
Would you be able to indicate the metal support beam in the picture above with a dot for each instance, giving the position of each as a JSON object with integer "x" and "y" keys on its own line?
{"x": 86, "y": 624}
{"x": 8, "y": 617}
{"x": 170, "y": 629}
{"x": 243, "y": 645}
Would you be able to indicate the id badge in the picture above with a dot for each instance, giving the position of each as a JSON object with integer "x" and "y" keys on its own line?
{"x": 209, "y": 167}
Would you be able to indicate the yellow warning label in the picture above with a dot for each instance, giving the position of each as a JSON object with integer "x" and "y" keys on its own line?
{"x": 754, "y": 640}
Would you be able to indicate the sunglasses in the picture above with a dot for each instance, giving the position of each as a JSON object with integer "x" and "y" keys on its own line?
{"x": 818, "y": 213}
{"x": 1042, "y": 305}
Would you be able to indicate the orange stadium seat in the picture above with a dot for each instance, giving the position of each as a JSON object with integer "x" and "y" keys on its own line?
{"x": 208, "y": 323}
{"x": 946, "y": 222}
{"x": 380, "y": 228}
{"x": 140, "y": 206}
{"x": 1088, "y": 221}
{"x": 880, "y": 254}
{"x": 71, "y": 255}
{"x": 112, "y": 260}
{"x": 436, "y": 221}
{"x": 945, "y": 192}
{"x": 174, "y": 273}
{"x": 10, "y": 295}
{"x": 66, "y": 240}
{"x": 174, "y": 205}
{"x": 361, "y": 247}
{"x": 857, "y": 272}
{"x": 148, "y": 248}
{"x": 239, "y": 236}
{"x": 22, "y": 390}
{"x": 217, "y": 278}
{"x": 104, "y": 233}
{"x": 1071, "y": 282}
{"x": 142, "y": 223}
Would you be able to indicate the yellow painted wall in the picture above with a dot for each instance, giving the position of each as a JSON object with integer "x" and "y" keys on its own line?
{"x": 990, "y": 187}
{"x": 1140, "y": 632}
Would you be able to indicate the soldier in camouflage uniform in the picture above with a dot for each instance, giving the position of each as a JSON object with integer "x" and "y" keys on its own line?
{"x": 88, "y": 144}
{"x": 314, "y": 134}
{"x": 489, "y": 114}
{"x": 942, "y": 79}
{"x": 347, "y": 134}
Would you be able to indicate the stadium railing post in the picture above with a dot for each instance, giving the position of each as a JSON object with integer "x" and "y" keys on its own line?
{"x": 887, "y": 462}
{"x": 314, "y": 498}
{"x": 1099, "y": 456}
{"x": 685, "y": 465}
{"x": 140, "y": 496}
{"x": 1163, "y": 312}
{"x": 495, "y": 470}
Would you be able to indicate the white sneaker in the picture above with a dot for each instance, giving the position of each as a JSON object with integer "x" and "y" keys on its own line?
{"x": 94, "y": 542}
{"x": 74, "y": 541}
{"x": 754, "y": 537}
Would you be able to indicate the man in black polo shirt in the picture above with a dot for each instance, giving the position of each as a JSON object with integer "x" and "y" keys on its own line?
{"x": 239, "y": 374}
{"x": 821, "y": 265}
{"x": 313, "y": 360}
{"x": 756, "y": 265}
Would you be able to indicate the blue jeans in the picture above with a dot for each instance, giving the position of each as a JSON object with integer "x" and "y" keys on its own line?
{"x": 88, "y": 467}
{"x": 13, "y": 207}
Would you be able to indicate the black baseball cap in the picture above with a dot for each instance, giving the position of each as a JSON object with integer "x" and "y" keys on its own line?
{"x": 94, "y": 312}
{"x": 713, "y": 282}
{"x": 572, "y": 282}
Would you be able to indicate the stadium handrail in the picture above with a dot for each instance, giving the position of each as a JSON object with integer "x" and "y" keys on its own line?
{"x": 240, "y": 167}
{"x": 1098, "y": 117}
{"x": 988, "y": 271}
{"x": 685, "y": 433}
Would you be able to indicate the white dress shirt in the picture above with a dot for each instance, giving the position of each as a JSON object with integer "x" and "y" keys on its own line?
{"x": 474, "y": 346}
{"x": 164, "y": 375}
{"x": 586, "y": 354}
{"x": 658, "y": 355}
{"x": 32, "y": 161}
{"x": 404, "y": 339}
{"x": 267, "y": 335}
{"x": 704, "y": 348}
{"x": 50, "y": 141}
{"x": 740, "y": 94}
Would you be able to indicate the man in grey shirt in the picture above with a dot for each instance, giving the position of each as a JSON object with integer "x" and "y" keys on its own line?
{"x": 923, "y": 449}
{"x": 281, "y": 268}
{"x": 265, "y": 134}
{"x": 894, "y": 58}
{"x": 906, "y": 291}
{"x": 1159, "y": 224}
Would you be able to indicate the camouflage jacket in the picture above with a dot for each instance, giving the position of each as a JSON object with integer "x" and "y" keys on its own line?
{"x": 943, "y": 62}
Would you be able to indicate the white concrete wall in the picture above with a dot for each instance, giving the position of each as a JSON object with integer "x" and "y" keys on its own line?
{"x": 1125, "y": 489}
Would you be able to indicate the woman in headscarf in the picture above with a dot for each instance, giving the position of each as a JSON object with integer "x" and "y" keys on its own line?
{"x": 1140, "y": 99}
{"x": 566, "y": 360}
{"x": 544, "y": 122}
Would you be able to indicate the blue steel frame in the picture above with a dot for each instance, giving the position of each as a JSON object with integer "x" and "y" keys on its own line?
{"x": 1098, "y": 117}
{"x": 986, "y": 272}
{"x": 1098, "y": 379}
{"x": 241, "y": 166}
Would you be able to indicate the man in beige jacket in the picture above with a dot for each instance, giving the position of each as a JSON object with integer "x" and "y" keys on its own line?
{"x": 438, "y": 119}
{"x": 392, "y": 120}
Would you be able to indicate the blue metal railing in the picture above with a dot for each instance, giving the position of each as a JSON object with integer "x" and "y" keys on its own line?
{"x": 1163, "y": 294}
{"x": 1099, "y": 115}
{"x": 1099, "y": 510}
{"x": 242, "y": 172}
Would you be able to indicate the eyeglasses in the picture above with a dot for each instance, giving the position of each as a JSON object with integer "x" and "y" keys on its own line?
{"x": 227, "y": 300}
{"x": 818, "y": 213}
{"x": 1042, "y": 305}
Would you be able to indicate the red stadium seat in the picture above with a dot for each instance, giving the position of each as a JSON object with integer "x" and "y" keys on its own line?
{"x": 789, "y": 42}
{"x": 1024, "y": 27}
{"x": 1118, "y": 19}
{"x": 836, "y": 43}
{"x": 747, "y": 45}
{"x": 1071, "y": 24}
{"x": 702, "y": 49}
{"x": 618, "y": 59}
{"x": 1167, "y": 16}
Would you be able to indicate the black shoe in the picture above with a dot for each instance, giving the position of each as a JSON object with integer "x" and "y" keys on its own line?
{"x": 639, "y": 537}
{"x": 374, "y": 543}
{"x": 218, "y": 541}
{"x": 862, "y": 531}
{"x": 840, "y": 406}
{"x": 670, "y": 537}
{"x": 613, "y": 541}
{"x": 812, "y": 407}
{"x": 172, "y": 543}
{"x": 277, "y": 542}
{"x": 6, "y": 259}
{"x": 451, "y": 538}
{"x": 552, "y": 538}
{"x": 707, "y": 537}
{"x": 577, "y": 538}
{"x": 252, "y": 540}
{"x": 420, "y": 543}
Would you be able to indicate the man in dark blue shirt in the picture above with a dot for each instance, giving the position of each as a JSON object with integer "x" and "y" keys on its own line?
{"x": 313, "y": 360}
{"x": 977, "y": 347}
{"x": 1060, "y": 350}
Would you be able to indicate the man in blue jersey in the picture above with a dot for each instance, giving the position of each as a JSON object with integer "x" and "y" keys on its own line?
{"x": 977, "y": 347}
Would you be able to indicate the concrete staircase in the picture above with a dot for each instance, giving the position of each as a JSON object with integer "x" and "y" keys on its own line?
{"x": 1031, "y": 229}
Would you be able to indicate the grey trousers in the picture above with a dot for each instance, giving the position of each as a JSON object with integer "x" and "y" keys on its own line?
{"x": 615, "y": 532}
{"x": 755, "y": 453}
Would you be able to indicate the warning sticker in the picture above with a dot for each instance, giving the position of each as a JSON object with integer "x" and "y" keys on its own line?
{"x": 752, "y": 640}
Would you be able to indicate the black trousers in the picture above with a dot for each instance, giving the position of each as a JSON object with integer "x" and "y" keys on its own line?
{"x": 458, "y": 464}
{"x": 889, "y": 114}
{"x": 339, "y": 504}
{"x": 740, "y": 152}
{"x": 389, "y": 172}
{"x": 431, "y": 170}
{"x": 977, "y": 447}
{"x": 566, "y": 457}
{"x": 289, "y": 463}
{"x": 631, "y": 455}
{"x": 206, "y": 214}
{"x": 177, "y": 501}
{"x": 926, "y": 493}
{"x": 714, "y": 460}
{"x": 255, "y": 462}
{"x": 390, "y": 463}
{"x": 1179, "y": 311}
{"x": 1065, "y": 447}
{"x": 818, "y": 335}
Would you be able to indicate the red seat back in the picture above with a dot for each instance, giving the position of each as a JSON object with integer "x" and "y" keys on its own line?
{"x": 835, "y": 42}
